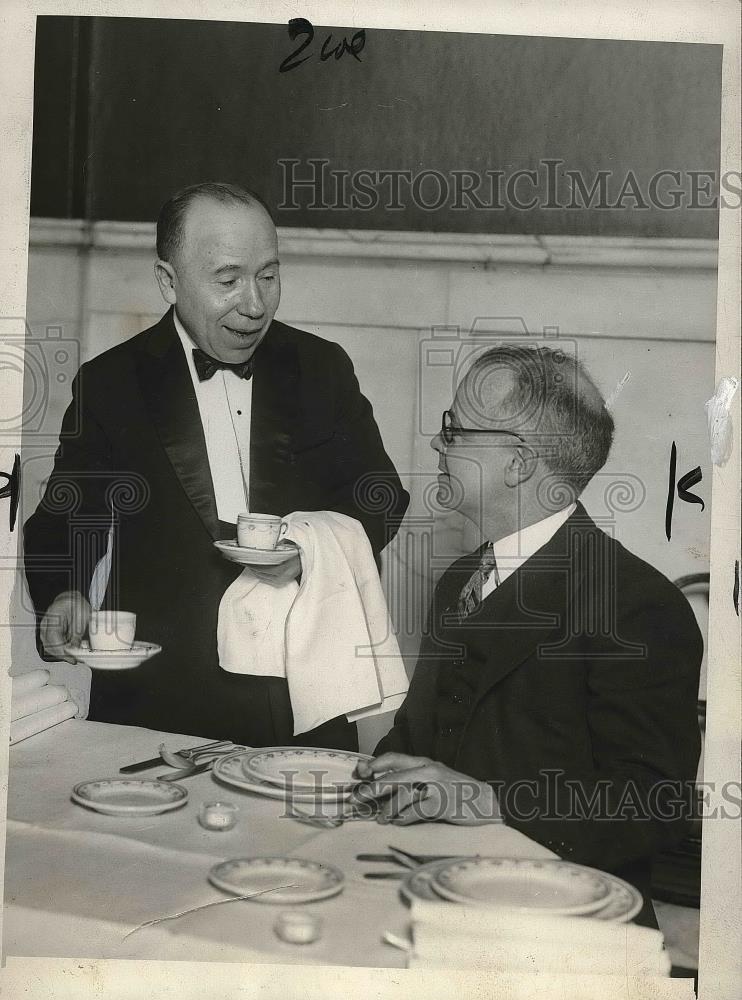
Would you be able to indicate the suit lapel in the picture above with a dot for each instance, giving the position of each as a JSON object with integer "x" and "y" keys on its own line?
{"x": 532, "y": 606}
{"x": 169, "y": 396}
{"x": 274, "y": 422}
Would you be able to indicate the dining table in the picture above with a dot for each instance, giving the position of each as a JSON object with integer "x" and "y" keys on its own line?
{"x": 84, "y": 884}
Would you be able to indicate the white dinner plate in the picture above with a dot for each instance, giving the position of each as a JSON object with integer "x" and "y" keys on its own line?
{"x": 230, "y": 770}
{"x": 129, "y": 796}
{"x": 255, "y": 557}
{"x": 278, "y": 880}
{"x": 305, "y": 768}
{"x": 418, "y": 884}
{"x": 529, "y": 886}
{"x": 114, "y": 659}
{"x": 623, "y": 903}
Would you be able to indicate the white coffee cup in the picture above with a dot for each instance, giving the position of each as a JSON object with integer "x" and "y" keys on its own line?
{"x": 112, "y": 630}
{"x": 260, "y": 531}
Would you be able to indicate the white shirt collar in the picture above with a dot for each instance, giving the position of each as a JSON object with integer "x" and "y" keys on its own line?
{"x": 513, "y": 550}
{"x": 187, "y": 344}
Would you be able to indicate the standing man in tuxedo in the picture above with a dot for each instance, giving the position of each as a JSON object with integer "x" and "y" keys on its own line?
{"x": 215, "y": 410}
{"x": 556, "y": 690}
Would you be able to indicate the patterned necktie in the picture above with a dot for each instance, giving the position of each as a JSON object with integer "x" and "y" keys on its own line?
{"x": 471, "y": 594}
{"x": 206, "y": 366}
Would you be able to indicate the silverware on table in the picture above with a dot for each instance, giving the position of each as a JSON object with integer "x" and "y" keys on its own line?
{"x": 186, "y": 772}
{"x": 143, "y": 765}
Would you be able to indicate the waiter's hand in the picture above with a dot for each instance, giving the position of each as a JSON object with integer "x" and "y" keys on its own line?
{"x": 416, "y": 789}
{"x": 65, "y": 623}
{"x": 279, "y": 575}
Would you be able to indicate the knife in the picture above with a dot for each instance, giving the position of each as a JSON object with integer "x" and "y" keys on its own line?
{"x": 142, "y": 765}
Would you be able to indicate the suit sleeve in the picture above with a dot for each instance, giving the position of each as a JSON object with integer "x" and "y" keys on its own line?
{"x": 397, "y": 740}
{"x": 67, "y": 534}
{"x": 369, "y": 488}
{"x": 638, "y": 797}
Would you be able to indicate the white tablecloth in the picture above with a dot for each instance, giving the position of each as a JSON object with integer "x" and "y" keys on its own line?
{"x": 76, "y": 882}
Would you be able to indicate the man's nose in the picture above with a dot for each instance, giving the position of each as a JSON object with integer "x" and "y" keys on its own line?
{"x": 251, "y": 301}
{"x": 437, "y": 443}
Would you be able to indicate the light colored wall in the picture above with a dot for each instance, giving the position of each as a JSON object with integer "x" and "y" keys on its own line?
{"x": 643, "y": 307}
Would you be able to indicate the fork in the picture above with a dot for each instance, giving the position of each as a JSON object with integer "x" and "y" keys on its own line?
{"x": 182, "y": 758}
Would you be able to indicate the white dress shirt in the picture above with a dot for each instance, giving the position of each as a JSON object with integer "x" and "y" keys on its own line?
{"x": 224, "y": 403}
{"x": 513, "y": 550}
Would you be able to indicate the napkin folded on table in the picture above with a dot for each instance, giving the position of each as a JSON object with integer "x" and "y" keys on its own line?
{"x": 330, "y": 637}
{"x": 36, "y": 705}
{"x": 505, "y": 941}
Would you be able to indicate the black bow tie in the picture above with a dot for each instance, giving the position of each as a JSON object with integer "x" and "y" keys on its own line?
{"x": 206, "y": 366}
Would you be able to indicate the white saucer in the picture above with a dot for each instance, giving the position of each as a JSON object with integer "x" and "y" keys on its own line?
{"x": 278, "y": 880}
{"x": 129, "y": 796}
{"x": 114, "y": 659}
{"x": 255, "y": 557}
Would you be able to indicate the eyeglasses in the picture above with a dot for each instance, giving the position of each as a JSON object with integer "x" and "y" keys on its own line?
{"x": 449, "y": 429}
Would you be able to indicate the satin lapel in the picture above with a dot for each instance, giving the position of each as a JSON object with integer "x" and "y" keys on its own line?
{"x": 168, "y": 393}
{"x": 274, "y": 424}
{"x": 532, "y": 607}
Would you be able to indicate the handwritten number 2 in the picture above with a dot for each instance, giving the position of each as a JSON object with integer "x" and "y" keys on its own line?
{"x": 297, "y": 26}
{"x": 300, "y": 26}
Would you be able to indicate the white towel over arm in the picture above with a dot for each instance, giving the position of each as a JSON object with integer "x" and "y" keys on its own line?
{"x": 340, "y": 655}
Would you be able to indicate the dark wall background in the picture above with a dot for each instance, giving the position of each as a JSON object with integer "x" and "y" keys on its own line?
{"x": 128, "y": 110}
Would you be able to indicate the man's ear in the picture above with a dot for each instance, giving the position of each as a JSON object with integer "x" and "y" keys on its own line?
{"x": 165, "y": 276}
{"x": 521, "y": 466}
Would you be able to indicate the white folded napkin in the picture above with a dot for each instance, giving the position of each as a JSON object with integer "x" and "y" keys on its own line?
{"x": 37, "y": 701}
{"x": 21, "y": 729}
{"x": 330, "y": 637}
{"x": 457, "y": 936}
{"x": 30, "y": 681}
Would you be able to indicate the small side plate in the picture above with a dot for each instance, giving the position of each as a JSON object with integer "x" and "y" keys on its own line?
{"x": 129, "y": 796}
{"x": 278, "y": 880}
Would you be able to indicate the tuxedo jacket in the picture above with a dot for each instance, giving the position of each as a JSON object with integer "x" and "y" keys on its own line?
{"x": 576, "y": 680}
{"x": 132, "y": 438}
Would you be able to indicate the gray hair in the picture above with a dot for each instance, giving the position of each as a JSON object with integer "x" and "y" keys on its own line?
{"x": 553, "y": 397}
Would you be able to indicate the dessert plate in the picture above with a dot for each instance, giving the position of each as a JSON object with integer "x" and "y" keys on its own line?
{"x": 230, "y": 770}
{"x": 255, "y": 557}
{"x": 278, "y": 880}
{"x": 303, "y": 768}
{"x": 129, "y": 796}
{"x": 114, "y": 659}
{"x": 529, "y": 886}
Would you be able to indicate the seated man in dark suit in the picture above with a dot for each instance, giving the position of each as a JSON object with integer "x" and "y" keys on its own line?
{"x": 558, "y": 683}
{"x": 215, "y": 410}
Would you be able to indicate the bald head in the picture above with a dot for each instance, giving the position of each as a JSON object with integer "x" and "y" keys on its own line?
{"x": 174, "y": 214}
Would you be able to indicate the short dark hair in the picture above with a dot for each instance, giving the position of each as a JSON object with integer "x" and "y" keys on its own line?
{"x": 554, "y": 397}
{"x": 170, "y": 221}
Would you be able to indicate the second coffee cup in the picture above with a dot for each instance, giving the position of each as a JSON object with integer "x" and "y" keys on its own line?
{"x": 260, "y": 531}
{"x": 110, "y": 631}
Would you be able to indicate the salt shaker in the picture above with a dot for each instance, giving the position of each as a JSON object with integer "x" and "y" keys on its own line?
{"x": 298, "y": 927}
{"x": 218, "y": 815}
